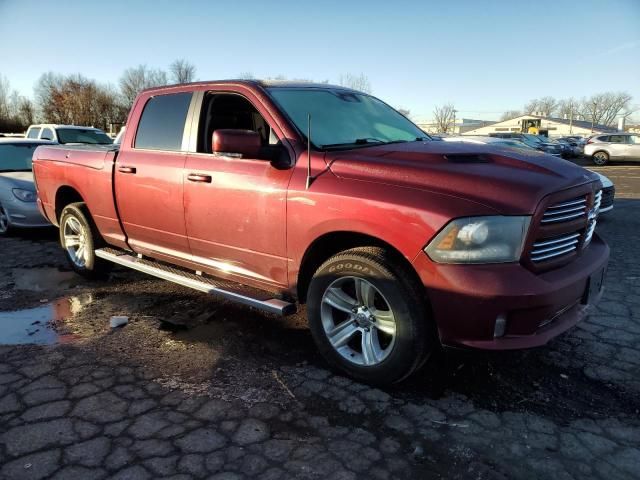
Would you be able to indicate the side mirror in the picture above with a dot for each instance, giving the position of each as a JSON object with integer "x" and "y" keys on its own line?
{"x": 236, "y": 143}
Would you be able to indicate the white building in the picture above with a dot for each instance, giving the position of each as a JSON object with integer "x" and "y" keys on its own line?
{"x": 461, "y": 126}
{"x": 550, "y": 126}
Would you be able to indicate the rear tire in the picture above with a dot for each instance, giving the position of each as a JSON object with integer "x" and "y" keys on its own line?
{"x": 369, "y": 317}
{"x": 79, "y": 238}
{"x": 600, "y": 158}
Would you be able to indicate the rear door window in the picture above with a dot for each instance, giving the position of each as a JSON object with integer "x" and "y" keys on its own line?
{"x": 161, "y": 125}
{"x": 617, "y": 139}
{"x": 33, "y": 133}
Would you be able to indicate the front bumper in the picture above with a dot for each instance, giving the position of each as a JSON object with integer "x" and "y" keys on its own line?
{"x": 25, "y": 214}
{"x": 466, "y": 300}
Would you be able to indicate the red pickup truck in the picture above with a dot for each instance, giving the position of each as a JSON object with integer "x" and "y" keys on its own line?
{"x": 277, "y": 194}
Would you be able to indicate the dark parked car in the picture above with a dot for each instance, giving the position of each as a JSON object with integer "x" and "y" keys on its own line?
{"x": 533, "y": 141}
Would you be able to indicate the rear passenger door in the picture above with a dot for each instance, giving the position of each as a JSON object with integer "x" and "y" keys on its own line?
{"x": 148, "y": 179}
{"x": 617, "y": 146}
{"x": 633, "y": 147}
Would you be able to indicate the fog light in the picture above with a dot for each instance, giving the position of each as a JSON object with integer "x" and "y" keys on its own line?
{"x": 500, "y": 327}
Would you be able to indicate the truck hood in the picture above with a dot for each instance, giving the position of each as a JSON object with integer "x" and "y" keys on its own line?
{"x": 18, "y": 179}
{"x": 508, "y": 180}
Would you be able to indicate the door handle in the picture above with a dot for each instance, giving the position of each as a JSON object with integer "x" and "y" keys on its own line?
{"x": 127, "y": 169}
{"x": 199, "y": 177}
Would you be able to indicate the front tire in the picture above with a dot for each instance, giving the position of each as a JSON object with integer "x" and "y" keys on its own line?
{"x": 79, "y": 238}
{"x": 600, "y": 158}
{"x": 369, "y": 317}
{"x": 5, "y": 224}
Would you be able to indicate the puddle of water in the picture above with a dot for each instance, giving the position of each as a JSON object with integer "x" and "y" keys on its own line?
{"x": 40, "y": 279}
{"x": 44, "y": 325}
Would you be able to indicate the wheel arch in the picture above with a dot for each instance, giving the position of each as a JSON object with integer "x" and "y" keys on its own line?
{"x": 329, "y": 244}
{"x": 65, "y": 195}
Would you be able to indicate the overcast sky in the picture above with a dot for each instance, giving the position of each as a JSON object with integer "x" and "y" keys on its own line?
{"x": 485, "y": 57}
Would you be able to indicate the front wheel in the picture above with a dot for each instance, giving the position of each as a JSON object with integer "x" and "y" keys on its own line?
{"x": 368, "y": 318}
{"x": 600, "y": 158}
{"x": 79, "y": 238}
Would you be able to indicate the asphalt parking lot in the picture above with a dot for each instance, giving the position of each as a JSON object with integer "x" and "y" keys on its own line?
{"x": 198, "y": 388}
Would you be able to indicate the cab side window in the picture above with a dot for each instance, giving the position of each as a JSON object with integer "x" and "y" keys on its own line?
{"x": 161, "y": 125}
{"x": 232, "y": 111}
{"x": 33, "y": 133}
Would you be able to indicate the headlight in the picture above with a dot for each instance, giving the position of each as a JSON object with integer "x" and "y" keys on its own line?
{"x": 24, "y": 195}
{"x": 480, "y": 240}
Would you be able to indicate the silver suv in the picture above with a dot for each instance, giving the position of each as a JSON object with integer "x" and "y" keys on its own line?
{"x": 618, "y": 146}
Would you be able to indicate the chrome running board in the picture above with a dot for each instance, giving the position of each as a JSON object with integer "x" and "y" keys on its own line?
{"x": 227, "y": 290}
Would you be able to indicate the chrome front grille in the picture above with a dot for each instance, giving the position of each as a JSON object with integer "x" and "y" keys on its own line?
{"x": 565, "y": 211}
{"x": 550, "y": 248}
{"x": 565, "y": 227}
{"x": 591, "y": 227}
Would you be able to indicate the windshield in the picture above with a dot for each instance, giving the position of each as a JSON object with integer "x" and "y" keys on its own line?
{"x": 16, "y": 157}
{"x": 344, "y": 119}
{"x": 79, "y": 135}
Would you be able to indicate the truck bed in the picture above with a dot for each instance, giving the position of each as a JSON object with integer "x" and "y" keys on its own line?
{"x": 83, "y": 173}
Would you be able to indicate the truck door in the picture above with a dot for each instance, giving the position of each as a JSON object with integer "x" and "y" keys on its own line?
{"x": 235, "y": 208}
{"x": 148, "y": 179}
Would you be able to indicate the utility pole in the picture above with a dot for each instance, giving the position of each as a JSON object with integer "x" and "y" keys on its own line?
{"x": 454, "y": 120}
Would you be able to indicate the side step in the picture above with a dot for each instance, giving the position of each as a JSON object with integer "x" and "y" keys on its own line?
{"x": 227, "y": 290}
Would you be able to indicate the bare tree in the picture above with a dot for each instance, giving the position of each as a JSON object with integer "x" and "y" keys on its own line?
{"x": 531, "y": 107}
{"x": 544, "y": 106}
{"x": 246, "y": 76}
{"x": 569, "y": 109}
{"x": 77, "y": 100}
{"x": 136, "y": 79}
{"x": 16, "y": 111}
{"x": 605, "y": 108}
{"x": 445, "y": 118}
{"x": 5, "y": 93}
{"x": 356, "y": 82}
{"x": 182, "y": 71}
{"x": 26, "y": 111}
{"x": 509, "y": 114}
{"x": 405, "y": 111}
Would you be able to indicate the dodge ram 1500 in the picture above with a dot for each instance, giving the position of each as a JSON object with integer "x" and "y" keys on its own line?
{"x": 281, "y": 194}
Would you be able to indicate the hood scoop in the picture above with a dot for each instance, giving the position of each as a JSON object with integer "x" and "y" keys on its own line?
{"x": 466, "y": 158}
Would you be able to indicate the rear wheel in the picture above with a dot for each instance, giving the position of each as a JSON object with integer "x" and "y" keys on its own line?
{"x": 600, "y": 158}
{"x": 79, "y": 238}
{"x": 368, "y": 317}
{"x": 4, "y": 221}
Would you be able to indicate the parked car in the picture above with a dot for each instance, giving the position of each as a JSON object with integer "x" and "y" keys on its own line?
{"x": 18, "y": 208}
{"x": 533, "y": 141}
{"x": 68, "y": 134}
{"x": 618, "y": 146}
{"x": 574, "y": 148}
{"x": 277, "y": 194}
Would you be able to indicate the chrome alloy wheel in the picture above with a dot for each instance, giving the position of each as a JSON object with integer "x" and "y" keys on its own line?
{"x": 4, "y": 220}
{"x": 600, "y": 158}
{"x": 358, "y": 321}
{"x": 75, "y": 241}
